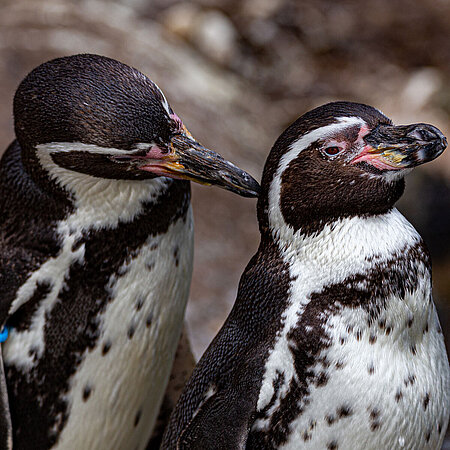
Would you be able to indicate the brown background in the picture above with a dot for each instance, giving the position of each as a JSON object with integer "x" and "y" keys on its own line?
{"x": 238, "y": 72}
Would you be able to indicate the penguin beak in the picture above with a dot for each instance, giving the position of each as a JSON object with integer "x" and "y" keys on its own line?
{"x": 391, "y": 147}
{"x": 187, "y": 159}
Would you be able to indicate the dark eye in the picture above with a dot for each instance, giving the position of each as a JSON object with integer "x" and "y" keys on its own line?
{"x": 332, "y": 151}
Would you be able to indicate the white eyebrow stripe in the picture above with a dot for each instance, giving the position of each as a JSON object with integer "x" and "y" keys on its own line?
{"x": 66, "y": 147}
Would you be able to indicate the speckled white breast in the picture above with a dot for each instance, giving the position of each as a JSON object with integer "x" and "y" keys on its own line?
{"x": 388, "y": 381}
{"x": 115, "y": 395}
{"x": 379, "y": 396}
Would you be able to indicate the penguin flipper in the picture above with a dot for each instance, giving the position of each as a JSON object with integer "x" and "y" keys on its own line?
{"x": 5, "y": 416}
{"x": 222, "y": 422}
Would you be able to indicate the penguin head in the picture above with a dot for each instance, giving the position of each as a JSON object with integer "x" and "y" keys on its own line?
{"x": 341, "y": 159}
{"x": 94, "y": 115}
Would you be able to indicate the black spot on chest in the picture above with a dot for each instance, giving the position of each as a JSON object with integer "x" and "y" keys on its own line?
{"x": 137, "y": 418}
{"x": 426, "y": 400}
{"x": 374, "y": 419}
{"x": 131, "y": 331}
{"x": 333, "y": 445}
{"x": 72, "y": 326}
{"x": 106, "y": 347}
{"x": 139, "y": 303}
{"x": 86, "y": 392}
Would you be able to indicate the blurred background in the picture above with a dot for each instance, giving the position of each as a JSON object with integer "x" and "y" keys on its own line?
{"x": 238, "y": 72}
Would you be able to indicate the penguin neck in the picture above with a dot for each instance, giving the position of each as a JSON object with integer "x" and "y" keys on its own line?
{"x": 346, "y": 245}
{"x": 41, "y": 178}
{"x": 98, "y": 202}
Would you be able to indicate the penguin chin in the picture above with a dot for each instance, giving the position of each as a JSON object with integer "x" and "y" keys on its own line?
{"x": 389, "y": 176}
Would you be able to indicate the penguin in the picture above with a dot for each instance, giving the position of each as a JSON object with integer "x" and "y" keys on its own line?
{"x": 333, "y": 341}
{"x": 96, "y": 239}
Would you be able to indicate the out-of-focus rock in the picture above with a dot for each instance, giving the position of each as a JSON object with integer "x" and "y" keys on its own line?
{"x": 210, "y": 31}
{"x": 181, "y": 19}
{"x": 420, "y": 87}
{"x": 261, "y": 32}
{"x": 260, "y": 9}
{"x": 214, "y": 34}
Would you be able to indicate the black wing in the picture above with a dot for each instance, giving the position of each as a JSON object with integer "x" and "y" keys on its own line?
{"x": 222, "y": 422}
{"x": 217, "y": 407}
{"x": 182, "y": 368}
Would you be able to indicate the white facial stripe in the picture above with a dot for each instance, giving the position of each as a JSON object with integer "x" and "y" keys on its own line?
{"x": 66, "y": 147}
{"x": 276, "y": 219}
{"x": 144, "y": 145}
{"x": 165, "y": 103}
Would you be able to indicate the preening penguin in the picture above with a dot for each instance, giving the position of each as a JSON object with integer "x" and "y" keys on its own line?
{"x": 334, "y": 341}
{"x": 96, "y": 253}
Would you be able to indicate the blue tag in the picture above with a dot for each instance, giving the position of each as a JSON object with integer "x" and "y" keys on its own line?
{"x": 4, "y": 334}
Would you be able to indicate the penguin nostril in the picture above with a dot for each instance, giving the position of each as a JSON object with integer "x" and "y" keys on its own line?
{"x": 427, "y": 135}
{"x": 422, "y": 134}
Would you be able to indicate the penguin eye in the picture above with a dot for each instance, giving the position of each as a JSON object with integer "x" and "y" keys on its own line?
{"x": 332, "y": 150}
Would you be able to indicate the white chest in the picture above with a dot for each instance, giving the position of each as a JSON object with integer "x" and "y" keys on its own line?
{"x": 116, "y": 392}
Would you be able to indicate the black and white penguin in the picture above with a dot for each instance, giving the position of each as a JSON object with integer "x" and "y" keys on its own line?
{"x": 96, "y": 240}
{"x": 334, "y": 341}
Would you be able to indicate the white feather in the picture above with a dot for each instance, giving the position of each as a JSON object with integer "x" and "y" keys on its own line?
{"x": 99, "y": 203}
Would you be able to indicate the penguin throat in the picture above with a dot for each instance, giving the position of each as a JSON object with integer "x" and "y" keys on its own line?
{"x": 102, "y": 198}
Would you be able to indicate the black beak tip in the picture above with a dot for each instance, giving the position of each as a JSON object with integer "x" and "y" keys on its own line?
{"x": 427, "y": 143}
{"x": 426, "y": 133}
{"x": 437, "y": 140}
{"x": 245, "y": 186}
{"x": 253, "y": 188}
{"x": 251, "y": 193}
